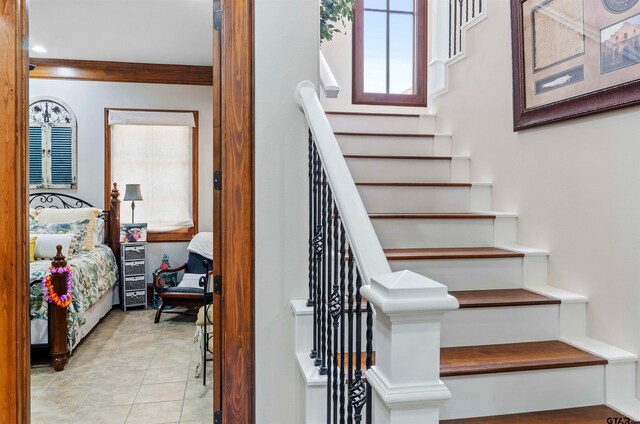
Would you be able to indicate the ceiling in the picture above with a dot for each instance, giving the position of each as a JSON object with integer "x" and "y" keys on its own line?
{"x": 146, "y": 31}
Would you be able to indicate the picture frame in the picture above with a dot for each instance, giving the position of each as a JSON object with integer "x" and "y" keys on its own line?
{"x": 133, "y": 233}
{"x": 555, "y": 77}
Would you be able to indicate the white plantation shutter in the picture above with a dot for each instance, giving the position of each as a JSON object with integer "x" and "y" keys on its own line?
{"x": 61, "y": 156}
{"x": 35, "y": 156}
{"x": 159, "y": 158}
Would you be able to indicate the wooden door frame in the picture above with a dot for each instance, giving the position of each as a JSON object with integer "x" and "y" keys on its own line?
{"x": 236, "y": 131}
{"x": 14, "y": 302}
{"x": 238, "y": 242}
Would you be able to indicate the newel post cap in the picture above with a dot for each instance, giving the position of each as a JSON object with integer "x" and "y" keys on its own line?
{"x": 408, "y": 293}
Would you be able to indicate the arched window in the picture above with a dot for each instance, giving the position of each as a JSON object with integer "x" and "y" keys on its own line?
{"x": 52, "y": 144}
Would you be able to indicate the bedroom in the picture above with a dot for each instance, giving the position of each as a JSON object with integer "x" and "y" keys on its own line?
{"x": 122, "y": 98}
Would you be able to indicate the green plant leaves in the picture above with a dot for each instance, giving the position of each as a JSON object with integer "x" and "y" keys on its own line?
{"x": 333, "y": 12}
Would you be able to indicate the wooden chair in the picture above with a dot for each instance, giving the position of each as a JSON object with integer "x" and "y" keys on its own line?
{"x": 189, "y": 296}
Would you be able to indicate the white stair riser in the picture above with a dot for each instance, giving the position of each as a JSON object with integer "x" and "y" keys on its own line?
{"x": 358, "y": 145}
{"x": 424, "y": 124}
{"x": 422, "y": 233}
{"x": 415, "y": 199}
{"x": 505, "y": 230}
{"x": 400, "y": 170}
{"x": 508, "y": 324}
{"x": 468, "y": 274}
{"x": 515, "y": 392}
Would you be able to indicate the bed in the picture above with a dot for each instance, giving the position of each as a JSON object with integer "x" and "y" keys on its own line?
{"x": 95, "y": 284}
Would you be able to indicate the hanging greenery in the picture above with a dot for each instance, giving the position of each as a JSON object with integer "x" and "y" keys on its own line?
{"x": 333, "y": 12}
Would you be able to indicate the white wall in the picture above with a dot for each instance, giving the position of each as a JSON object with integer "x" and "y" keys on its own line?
{"x": 88, "y": 100}
{"x": 286, "y": 52}
{"x": 575, "y": 185}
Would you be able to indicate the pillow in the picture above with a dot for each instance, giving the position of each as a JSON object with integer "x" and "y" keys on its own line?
{"x": 33, "y": 216}
{"x": 78, "y": 230}
{"x": 98, "y": 232}
{"x": 62, "y": 216}
{"x": 32, "y": 248}
{"x": 46, "y": 245}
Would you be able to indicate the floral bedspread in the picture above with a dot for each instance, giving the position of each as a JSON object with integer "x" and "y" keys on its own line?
{"x": 94, "y": 273}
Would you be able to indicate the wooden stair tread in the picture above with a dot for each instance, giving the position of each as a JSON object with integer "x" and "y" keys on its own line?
{"x": 585, "y": 415}
{"x": 431, "y": 216}
{"x": 402, "y": 115}
{"x": 411, "y": 157}
{"x": 487, "y": 359}
{"x": 451, "y": 253}
{"x": 501, "y": 297}
{"x": 501, "y": 358}
{"x": 368, "y": 134}
{"x": 384, "y": 184}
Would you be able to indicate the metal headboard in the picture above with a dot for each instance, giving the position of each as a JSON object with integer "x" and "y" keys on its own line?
{"x": 60, "y": 201}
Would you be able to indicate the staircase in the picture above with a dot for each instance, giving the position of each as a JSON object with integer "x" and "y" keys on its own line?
{"x": 517, "y": 345}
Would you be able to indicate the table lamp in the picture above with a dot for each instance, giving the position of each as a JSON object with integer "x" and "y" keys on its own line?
{"x": 132, "y": 194}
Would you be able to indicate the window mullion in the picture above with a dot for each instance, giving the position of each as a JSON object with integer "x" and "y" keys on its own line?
{"x": 46, "y": 156}
{"x": 388, "y": 82}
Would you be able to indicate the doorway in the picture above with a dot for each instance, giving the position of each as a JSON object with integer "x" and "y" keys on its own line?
{"x": 234, "y": 93}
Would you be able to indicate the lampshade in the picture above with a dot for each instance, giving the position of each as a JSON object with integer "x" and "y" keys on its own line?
{"x": 132, "y": 193}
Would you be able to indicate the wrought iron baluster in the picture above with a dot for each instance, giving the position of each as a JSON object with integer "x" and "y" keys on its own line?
{"x": 317, "y": 253}
{"x": 335, "y": 306}
{"x": 369, "y": 359}
{"x": 466, "y": 12}
{"x": 342, "y": 258}
{"x": 357, "y": 392}
{"x": 311, "y": 226}
{"x": 330, "y": 355}
{"x": 350, "y": 333}
{"x": 450, "y": 28}
{"x": 460, "y": 29}
{"x": 323, "y": 304}
{"x": 473, "y": 9}
{"x": 455, "y": 27}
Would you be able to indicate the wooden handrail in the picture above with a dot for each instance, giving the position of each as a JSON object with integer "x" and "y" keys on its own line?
{"x": 363, "y": 240}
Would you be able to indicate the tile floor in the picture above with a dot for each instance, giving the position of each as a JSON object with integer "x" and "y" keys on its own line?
{"x": 129, "y": 370}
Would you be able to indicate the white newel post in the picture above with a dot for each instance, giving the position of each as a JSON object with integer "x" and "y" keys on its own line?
{"x": 406, "y": 376}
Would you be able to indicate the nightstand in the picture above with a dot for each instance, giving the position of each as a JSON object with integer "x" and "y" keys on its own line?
{"x": 133, "y": 263}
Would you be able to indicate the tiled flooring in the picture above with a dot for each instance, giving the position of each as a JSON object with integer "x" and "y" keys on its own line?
{"x": 129, "y": 370}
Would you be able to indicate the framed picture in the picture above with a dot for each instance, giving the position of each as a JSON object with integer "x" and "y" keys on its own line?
{"x": 573, "y": 58}
{"x": 132, "y": 233}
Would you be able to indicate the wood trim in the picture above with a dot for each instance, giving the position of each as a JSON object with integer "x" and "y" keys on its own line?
{"x": 512, "y": 357}
{"x": 450, "y": 253}
{"x": 586, "y": 415}
{"x": 363, "y": 134}
{"x": 148, "y": 73}
{"x": 383, "y": 184}
{"x": 431, "y": 216}
{"x": 418, "y": 99}
{"x": 15, "y": 357}
{"x": 609, "y": 98}
{"x": 169, "y": 236}
{"x": 398, "y": 157}
{"x": 238, "y": 260}
{"x": 501, "y": 298}
{"x": 386, "y": 115}
{"x": 217, "y": 369}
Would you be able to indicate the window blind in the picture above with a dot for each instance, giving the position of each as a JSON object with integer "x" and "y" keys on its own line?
{"x": 159, "y": 158}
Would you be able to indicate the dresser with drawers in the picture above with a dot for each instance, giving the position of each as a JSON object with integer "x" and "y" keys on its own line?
{"x": 133, "y": 263}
